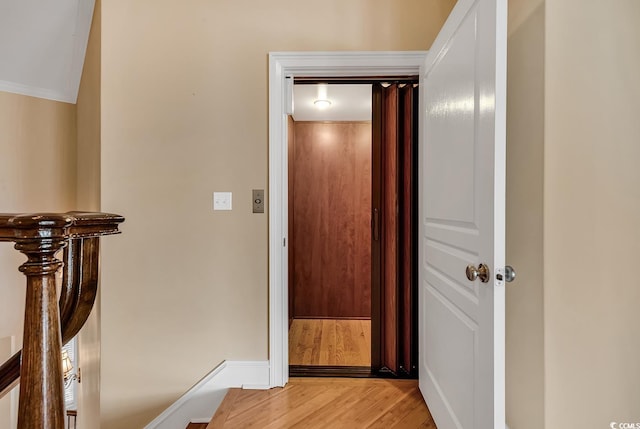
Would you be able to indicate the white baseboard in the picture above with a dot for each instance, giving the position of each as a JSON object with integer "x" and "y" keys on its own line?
{"x": 200, "y": 420}
{"x": 200, "y": 402}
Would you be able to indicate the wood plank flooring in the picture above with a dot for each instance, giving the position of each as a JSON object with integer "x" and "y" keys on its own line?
{"x": 320, "y": 403}
{"x": 330, "y": 342}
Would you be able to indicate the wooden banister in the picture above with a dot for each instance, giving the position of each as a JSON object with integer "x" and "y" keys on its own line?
{"x": 48, "y": 325}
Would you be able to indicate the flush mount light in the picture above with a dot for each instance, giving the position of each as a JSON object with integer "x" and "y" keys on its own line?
{"x": 322, "y": 104}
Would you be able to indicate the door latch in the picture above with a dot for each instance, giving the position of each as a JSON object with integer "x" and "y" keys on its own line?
{"x": 508, "y": 275}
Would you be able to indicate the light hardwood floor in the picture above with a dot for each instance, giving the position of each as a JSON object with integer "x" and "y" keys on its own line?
{"x": 330, "y": 342}
{"x": 321, "y": 403}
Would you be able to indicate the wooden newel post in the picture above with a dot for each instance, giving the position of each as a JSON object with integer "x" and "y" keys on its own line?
{"x": 41, "y": 385}
{"x": 40, "y": 237}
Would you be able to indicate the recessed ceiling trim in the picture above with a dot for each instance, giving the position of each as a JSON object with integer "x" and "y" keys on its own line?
{"x": 33, "y": 91}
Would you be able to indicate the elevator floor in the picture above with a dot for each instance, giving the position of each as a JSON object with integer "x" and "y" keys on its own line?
{"x": 330, "y": 342}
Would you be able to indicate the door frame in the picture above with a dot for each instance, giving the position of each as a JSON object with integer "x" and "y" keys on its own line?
{"x": 283, "y": 66}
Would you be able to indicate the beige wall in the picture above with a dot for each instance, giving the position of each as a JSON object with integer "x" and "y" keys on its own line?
{"x": 591, "y": 211}
{"x": 184, "y": 113}
{"x": 88, "y": 114}
{"x": 37, "y": 173}
{"x": 88, "y": 198}
{"x": 8, "y": 403}
{"x": 576, "y": 64}
{"x": 525, "y": 150}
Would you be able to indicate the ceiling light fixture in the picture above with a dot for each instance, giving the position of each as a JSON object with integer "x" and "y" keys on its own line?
{"x": 322, "y": 104}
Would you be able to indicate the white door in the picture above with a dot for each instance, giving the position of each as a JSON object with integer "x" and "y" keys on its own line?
{"x": 462, "y": 181}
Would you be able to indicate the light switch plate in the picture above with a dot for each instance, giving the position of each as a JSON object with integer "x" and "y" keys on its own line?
{"x": 222, "y": 200}
{"x": 258, "y": 200}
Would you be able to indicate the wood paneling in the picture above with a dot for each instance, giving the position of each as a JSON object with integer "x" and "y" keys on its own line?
{"x": 376, "y": 242}
{"x": 407, "y": 229}
{"x": 313, "y": 403}
{"x": 331, "y": 237}
{"x": 394, "y": 195}
{"x": 390, "y": 221}
{"x": 330, "y": 342}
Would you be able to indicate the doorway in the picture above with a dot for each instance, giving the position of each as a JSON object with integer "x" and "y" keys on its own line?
{"x": 283, "y": 67}
{"x": 352, "y": 209}
{"x": 462, "y": 141}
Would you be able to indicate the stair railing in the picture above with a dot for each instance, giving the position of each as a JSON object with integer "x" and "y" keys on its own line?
{"x": 47, "y": 324}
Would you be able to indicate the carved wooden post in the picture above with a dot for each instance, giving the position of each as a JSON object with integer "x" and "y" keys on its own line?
{"x": 39, "y": 364}
{"x": 41, "y": 385}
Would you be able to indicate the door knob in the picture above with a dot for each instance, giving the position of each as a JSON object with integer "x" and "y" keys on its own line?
{"x": 482, "y": 273}
{"x": 509, "y": 274}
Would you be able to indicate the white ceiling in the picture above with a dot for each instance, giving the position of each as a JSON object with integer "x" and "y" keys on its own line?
{"x": 42, "y": 46}
{"x": 348, "y": 102}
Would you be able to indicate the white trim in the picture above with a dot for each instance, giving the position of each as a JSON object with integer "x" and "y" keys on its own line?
{"x": 318, "y": 64}
{"x": 32, "y": 91}
{"x": 205, "y": 396}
